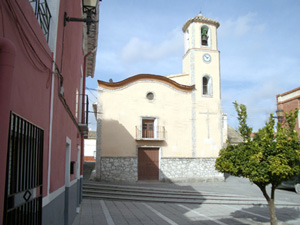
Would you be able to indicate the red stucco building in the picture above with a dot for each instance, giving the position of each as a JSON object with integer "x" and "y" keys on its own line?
{"x": 290, "y": 101}
{"x": 43, "y": 65}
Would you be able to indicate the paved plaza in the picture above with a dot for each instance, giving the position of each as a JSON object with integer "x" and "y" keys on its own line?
{"x": 101, "y": 211}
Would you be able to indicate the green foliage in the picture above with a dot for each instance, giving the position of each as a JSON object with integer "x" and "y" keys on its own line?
{"x": 271, "y": 157}
{"x": 244, "y": 130}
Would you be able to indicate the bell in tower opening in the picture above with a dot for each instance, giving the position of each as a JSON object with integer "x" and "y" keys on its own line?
{"x": 204, "y": 36}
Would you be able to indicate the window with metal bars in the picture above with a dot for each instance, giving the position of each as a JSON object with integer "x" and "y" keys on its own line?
{"x": 24, "y": 173}
{"x": 43, "y": 15}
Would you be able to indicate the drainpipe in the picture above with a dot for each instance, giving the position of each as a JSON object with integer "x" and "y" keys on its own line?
{"x": 84, "y": 78}
{"x": 83, "y": 106}
{"x": 7, "y": 65}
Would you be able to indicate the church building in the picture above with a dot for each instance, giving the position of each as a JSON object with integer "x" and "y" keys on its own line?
{"x": 166, "y": 128}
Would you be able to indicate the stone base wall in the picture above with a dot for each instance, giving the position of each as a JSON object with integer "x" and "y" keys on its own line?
{"x": 119, "y": 169}
{"x": 189, "y": 170}
{"x": 171, "y": 169}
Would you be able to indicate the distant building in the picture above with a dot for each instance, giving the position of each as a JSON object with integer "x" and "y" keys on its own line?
{"x": 167, "y": 128}
{"x": 43, "y": 65}
{"x": 234, "y": 137}
{"x": 90, "y": 147}
{"x": 290, "y": 101}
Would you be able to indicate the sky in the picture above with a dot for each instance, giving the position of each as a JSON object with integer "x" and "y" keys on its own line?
{"x": 258, "y": 40}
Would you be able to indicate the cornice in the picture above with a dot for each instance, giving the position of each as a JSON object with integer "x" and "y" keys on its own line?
{"x": 145, "y": 77}
{"x": 200, "y": 19}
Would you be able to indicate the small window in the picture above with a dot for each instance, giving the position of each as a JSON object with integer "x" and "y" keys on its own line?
{"x": 150, "y": 96}
{"x": 205, "y": 83}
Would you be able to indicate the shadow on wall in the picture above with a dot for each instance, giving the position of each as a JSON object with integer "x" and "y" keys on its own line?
{"x": 88, "y": 168}
{"x": 116, "y": 143}
{"x": 116, "y": 140}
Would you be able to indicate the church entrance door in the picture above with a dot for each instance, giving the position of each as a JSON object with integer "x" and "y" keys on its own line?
{"x": 148, "y": 163}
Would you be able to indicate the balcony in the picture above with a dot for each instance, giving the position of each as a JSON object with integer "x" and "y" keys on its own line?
{"x": 83, "y": 125}
{"x": 43, "y": 15}
{"x": 156, "y": 134}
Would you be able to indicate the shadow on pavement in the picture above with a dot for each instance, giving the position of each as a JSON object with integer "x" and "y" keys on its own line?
{"x": 260, "y": 213}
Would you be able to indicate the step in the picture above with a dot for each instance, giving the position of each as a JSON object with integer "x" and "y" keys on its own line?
{"x": 150, "y": 191}
{"x": 127, "y": 188}
{"x": 169, "y": 195}
{"x": 166, "y": 195}
{"x": 131, "y": 187}
{"x": 174, "y": 200}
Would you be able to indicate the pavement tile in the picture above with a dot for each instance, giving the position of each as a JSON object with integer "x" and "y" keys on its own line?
{"x": 142, "y": 217}
{"x": 126, "y": 212}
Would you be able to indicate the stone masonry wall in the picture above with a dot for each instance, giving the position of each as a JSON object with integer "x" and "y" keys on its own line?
{"x": 118, "y": 168}
{"x": 189, "y": 170}
{"x": 171, "y": 169}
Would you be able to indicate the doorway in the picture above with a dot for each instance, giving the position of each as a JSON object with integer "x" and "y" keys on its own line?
{"x": 148, "y": 164}
{"x": 67, "y": 179}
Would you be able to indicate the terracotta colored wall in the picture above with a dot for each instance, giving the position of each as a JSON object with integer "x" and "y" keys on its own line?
{"x": 25, "y": 91}
{"x": 26, "y": 82}
{"x": 290, "y": 101}
{"x": 69, "y": 60}
{"x": 89, "y": 159}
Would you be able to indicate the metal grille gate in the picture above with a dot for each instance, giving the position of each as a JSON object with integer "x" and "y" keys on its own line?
{"x": 24, "y": 170}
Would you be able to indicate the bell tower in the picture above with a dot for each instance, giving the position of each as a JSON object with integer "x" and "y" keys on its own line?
{"x": 201, "y": 59}
{"x": 202, "y": 62}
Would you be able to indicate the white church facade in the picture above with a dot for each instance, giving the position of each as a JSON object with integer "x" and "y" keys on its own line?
{"x": 166, "y": 128}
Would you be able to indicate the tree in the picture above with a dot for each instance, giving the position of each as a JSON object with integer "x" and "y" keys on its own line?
{"x": 273, "y": 156}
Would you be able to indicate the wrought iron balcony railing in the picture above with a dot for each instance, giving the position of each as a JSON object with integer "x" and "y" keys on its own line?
{"x": 157, "y": 134}
{"x": 83, "y": 125}
{"x": 43, "y": 15}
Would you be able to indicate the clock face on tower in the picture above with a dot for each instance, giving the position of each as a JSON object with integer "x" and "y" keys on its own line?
{"x": 207, "y": 58}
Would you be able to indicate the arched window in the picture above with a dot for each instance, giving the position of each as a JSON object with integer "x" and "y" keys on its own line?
{"x": 206, "y": 86}
{"x": 204, "y": 35}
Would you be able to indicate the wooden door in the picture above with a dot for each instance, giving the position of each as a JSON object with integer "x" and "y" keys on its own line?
{"x": 148, "y": 128}
{"x": 148, "y": 168}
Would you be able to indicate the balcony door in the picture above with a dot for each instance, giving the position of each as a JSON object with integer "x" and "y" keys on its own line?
{"x": 148, "y": 128}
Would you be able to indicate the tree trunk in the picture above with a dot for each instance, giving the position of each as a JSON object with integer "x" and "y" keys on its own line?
{"x": 273, "y": 218}
{"x": 271, "y": 202}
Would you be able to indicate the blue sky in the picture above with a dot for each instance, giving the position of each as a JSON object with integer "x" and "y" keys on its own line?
{"x": 258, "y": 40}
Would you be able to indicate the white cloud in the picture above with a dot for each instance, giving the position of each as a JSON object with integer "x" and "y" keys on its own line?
{"x": 138, "y": 50}
{"x": 258, "y": 89}
{"x": 241, "y": 26}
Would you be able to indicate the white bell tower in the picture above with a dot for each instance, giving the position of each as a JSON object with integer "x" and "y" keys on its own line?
{"x": 202, "y": 62}
{"x": 202, "y": 58}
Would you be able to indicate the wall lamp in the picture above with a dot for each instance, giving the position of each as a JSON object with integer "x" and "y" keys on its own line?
{"x": 90, "y": 8}
{"x": 280, "y": 115}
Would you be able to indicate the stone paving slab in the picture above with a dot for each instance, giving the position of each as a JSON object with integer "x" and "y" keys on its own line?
{"x": 124, "y": 212}
{"x": 109, "y": 212}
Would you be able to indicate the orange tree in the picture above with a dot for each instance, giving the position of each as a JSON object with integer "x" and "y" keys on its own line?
{"x": 273, "y": 156}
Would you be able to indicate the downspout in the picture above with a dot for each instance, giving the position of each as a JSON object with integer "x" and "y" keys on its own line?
{"x": 7, "y": 66}
{"x": 84, "y": 78}
{"x": 83, "y": 106}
